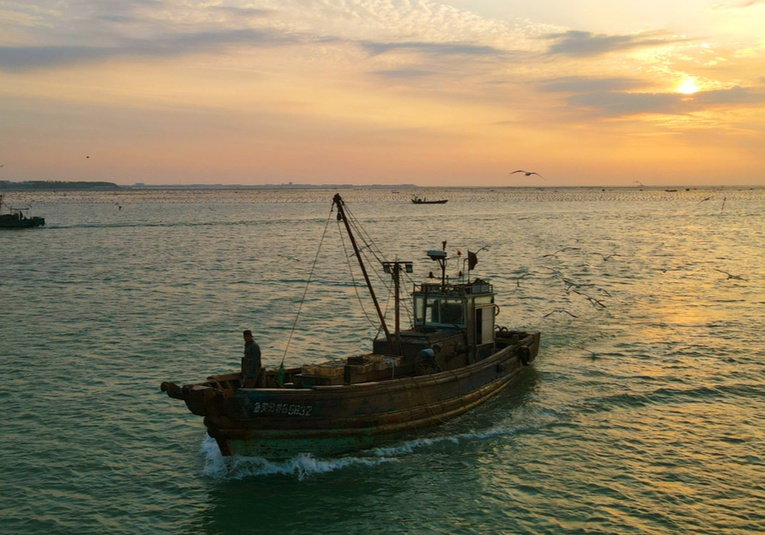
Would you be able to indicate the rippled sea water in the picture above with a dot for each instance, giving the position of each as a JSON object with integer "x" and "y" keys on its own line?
{"x": 644, "y": 413}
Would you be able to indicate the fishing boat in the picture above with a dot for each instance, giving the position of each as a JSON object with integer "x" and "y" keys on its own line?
{"x": 423, "y": 200}
{"x": 16, "y": 218}
{"x": 452, "y": 358}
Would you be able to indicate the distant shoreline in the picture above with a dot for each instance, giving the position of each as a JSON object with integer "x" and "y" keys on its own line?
{"x": 53, "y": 185}
{"x": 81, "y": 185}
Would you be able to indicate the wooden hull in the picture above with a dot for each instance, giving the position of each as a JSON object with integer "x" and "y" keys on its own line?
{"x": 278, "y": 423}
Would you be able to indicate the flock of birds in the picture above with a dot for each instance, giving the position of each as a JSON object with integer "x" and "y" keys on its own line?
{"x": 592, "y": 293}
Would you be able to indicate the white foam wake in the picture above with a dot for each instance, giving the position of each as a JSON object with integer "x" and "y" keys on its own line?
{"x": 302, "y": 465}
{"x": 305, "y": 465}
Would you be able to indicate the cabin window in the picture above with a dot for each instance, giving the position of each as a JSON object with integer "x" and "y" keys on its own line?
{"x": 419, "y": 310}
{"x": 439, "y": 311}
{"x": 451, "y": 311}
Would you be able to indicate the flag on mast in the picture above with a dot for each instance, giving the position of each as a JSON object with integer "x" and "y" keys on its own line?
{"x": 472, "y": 260}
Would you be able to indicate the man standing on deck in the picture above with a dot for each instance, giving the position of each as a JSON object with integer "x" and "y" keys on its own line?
{"x": 251, "y": 367}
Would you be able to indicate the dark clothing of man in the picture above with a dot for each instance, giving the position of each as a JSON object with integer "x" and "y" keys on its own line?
{"x": 251, "y": 366}
{"x": 252, "y": 352}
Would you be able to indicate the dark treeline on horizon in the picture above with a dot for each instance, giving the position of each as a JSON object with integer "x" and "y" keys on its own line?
{"x": 8, "y": 185}
{"x": 55, "y": 185}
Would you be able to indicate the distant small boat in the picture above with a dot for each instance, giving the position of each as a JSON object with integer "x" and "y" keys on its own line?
{"x": 423, "y": 200}
{"x": 670, "y": 190}
{"x": 15, "y": 218}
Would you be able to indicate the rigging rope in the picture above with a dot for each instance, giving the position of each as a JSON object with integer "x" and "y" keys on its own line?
{"x": 302, "y": 299}
{"x": 370, "y": 245}
{"x": 353, "y": 279}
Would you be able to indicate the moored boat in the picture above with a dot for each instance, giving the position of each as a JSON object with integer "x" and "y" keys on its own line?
{"x": 16, "y": 218}
{"x": 423, "y": 200}
{"x": 453, "y": 358}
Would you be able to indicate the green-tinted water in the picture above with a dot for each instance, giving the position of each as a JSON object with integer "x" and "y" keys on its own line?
{"x": 643, "y": 413}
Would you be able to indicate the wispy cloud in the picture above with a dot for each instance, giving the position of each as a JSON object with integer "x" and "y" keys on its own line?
{"x": 614, "y": 104}
{"x": 122, "y": 28}
{"x": 154, "y": 28}
{"x": 576, "y": 84}
{"x": 734, "y": 95}
{"x": 403, "y": 74}
{"x": 621, "y": 104}
{"x": 430, "y": 48}
{"x": 24, "y": 58}
{"x": 738, "y": 5}
{"x": 584, "y": 44}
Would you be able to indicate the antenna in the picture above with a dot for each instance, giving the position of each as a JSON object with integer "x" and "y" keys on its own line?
{"x": 440, "y": 257}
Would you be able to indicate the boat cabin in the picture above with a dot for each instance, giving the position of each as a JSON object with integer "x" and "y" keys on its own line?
{"x": 468, "y": 307}
{"x": 453, "y": 327}
{"x": 453, "y": 323}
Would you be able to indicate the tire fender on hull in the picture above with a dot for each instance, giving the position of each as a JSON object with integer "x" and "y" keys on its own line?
{"x": 524, "y": 355}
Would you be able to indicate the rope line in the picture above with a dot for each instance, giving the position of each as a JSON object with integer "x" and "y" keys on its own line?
{"x": 368, "y": 246}
{"x": 308, "y": 283}
{"x": 353, "y": 279}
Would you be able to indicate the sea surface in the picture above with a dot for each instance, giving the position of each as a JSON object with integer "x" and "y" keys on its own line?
{"x": 643, "y": 414}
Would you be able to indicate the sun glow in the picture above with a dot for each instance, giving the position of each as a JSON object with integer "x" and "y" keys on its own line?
{"x": 687, "y": 87}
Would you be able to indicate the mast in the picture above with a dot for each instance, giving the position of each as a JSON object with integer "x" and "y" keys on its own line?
{"x": 338, "y": 201}
{"x": 394, "y": 268}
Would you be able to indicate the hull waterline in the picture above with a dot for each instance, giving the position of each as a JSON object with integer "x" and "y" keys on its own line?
{"x": 279, "y": 423}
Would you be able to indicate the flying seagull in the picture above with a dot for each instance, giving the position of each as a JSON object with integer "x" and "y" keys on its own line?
{"x": 527, "y": 173}
{"x": 563, "y": 310}
{"x": 730, "y": 276}
{"x": 606, "y": 256}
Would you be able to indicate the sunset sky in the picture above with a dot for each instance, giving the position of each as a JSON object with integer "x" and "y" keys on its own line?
{"x": 435, "y": 93}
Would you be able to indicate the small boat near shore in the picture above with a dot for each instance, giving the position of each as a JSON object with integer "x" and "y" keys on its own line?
{"x": 16, "y": 218}
{"x": 423, "y": 200}
{"x": 453, "y": 358}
